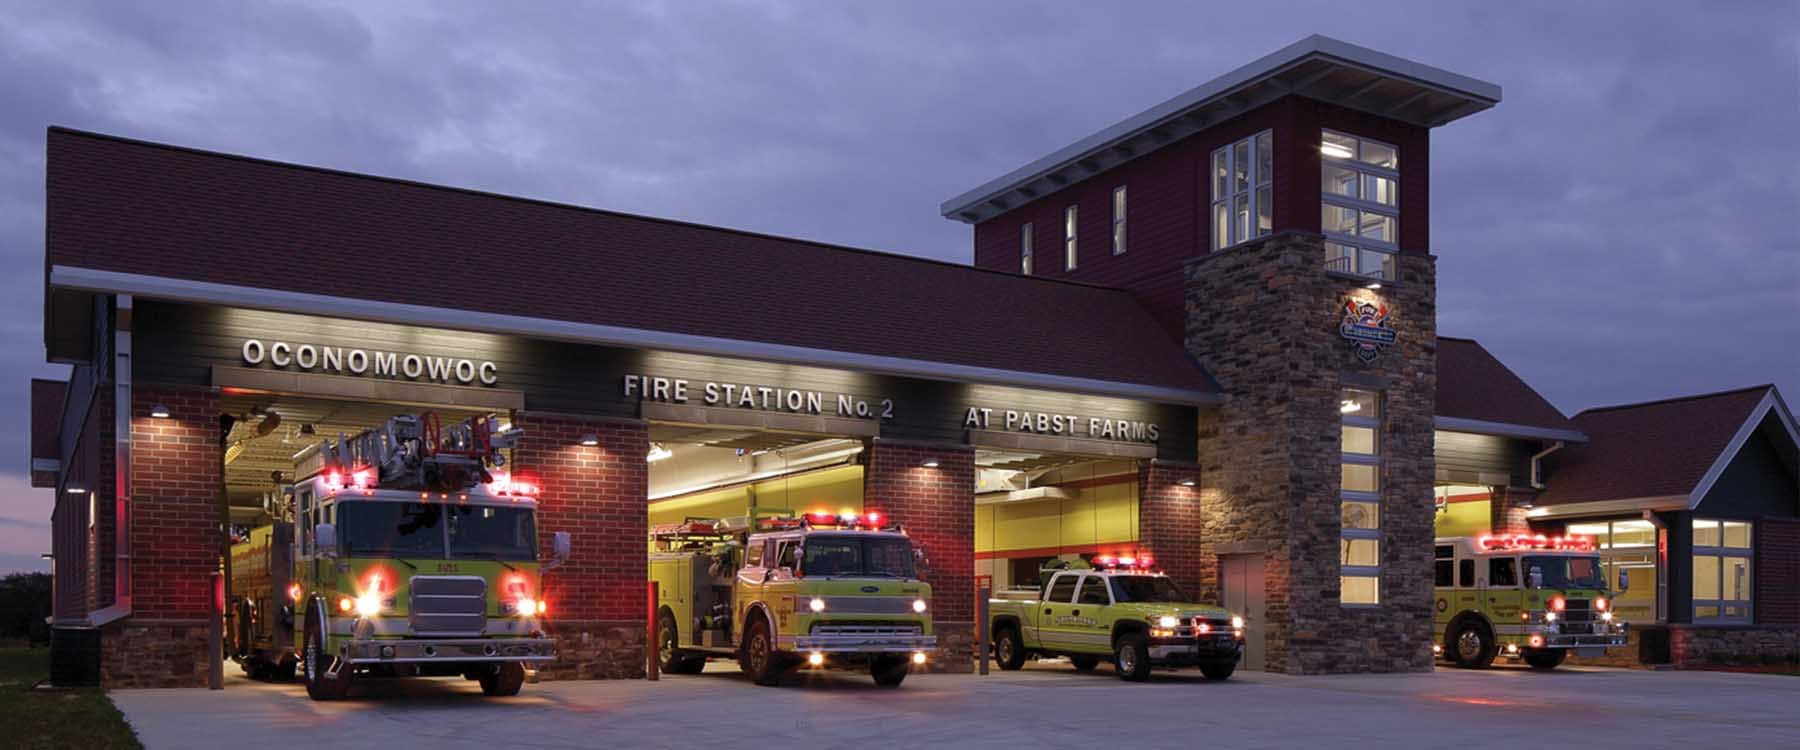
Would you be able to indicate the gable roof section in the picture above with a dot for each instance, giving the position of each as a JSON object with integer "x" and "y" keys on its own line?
{"x": 162, "y": 221}
{"x": 1478, "y": 393}
{"x": 1663, "y": 454}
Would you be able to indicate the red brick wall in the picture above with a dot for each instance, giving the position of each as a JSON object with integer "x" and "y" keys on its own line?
{"x": 1778, "y": 571}
{"x": 1169, "y": 526}
{"x": 599, "y": 495}
{"x": 1507, "y": 509}
{"x": 937, "y": 507}
{"x": 175, "y": 490}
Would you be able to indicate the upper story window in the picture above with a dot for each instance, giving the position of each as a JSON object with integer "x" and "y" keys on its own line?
{"x": 1119, "y": 220}
{"x": 1360, "y": 204}
{"x": 1025, "y": 249}
{"x": 1722, "y": 565}
{"x": 1243, "y": 197}
{"x": 1069, "y": 253}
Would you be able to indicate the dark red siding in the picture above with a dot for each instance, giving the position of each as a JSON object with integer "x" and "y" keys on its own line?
{"x": 1777, "y": 571}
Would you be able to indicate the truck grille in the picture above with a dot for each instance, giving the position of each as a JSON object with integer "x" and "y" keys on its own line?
{"x": 448, "y": 605}
{"x": 865, "y": 630}
{"x": 1578, "y": 616}
{"x": 868, "y": 605}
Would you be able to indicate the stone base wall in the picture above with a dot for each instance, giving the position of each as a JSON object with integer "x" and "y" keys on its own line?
{"x": 1699, "y": 647}
{"x": 153, "y": 654}
{"x": 1631, "y": 656}
{"x": 956, "y": 648}
{"x": 597, "y": 650}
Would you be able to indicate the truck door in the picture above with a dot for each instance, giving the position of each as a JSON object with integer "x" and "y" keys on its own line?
{"x": 1091, "y": 629}
{"x": 1505, "y": 598}
{"x": 1053, "y": 622}
{"x": 1468, "y": 592}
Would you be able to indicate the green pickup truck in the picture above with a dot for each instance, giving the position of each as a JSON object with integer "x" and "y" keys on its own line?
{"x": 1138, "y": 618}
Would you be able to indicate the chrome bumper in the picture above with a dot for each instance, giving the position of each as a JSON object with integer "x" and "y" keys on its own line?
{"x": 850, "y": 643}
{"x": 413, "y": 651}
{"x": 1582, "y": 640}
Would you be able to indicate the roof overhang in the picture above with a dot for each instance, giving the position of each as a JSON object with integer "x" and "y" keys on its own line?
{"x": 228, "y": 295}
{"x": 1771, "y": 407}
{"x": 1506, "y": 429}
{"x": 1317, "y": 67}
{"x": 1628, "y": 506}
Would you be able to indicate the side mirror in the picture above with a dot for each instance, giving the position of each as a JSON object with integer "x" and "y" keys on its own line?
{"x": 559, "y": 549}
{"x": 1624, "y": 580}
{"x": 325, "y": 540}
{"x": 921, "y": 563}
{"x": 1537, "y": 577}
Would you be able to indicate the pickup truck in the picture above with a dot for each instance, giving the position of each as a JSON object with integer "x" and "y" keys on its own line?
{"x": 1137, "y": 618}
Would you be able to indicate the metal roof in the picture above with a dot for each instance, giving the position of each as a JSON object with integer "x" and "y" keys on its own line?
{"x": 1317, "y": 67}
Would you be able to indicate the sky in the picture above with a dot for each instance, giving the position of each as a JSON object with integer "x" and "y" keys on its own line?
{"x": 1624, "y": 226}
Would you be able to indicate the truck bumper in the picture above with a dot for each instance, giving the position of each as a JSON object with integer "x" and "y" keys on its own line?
{"x": 416, "y": 651}
{"x": 1611, "y": 640}
{"x": 846, "y": 643}
{"x": 1176, "y": 652}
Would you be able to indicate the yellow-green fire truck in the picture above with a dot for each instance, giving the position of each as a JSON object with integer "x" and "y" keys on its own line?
{"x": 401, "y": 551}
{"x": 1525, "y": 596}
{"x": 1119, "y": 609}
{"x": 774, "y": 593}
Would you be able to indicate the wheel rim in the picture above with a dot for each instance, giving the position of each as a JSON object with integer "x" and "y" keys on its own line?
{"x": 312, "y": 662}
{"x": 1004, "y": 648}
{"x": 667, "y": 651}
{"x": 759, "y": 652}
{"x": 1127, "y": 658}
{"x": 1468, "y": 645}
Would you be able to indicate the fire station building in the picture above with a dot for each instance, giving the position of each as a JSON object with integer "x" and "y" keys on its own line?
{"x": 1206, "y": 334}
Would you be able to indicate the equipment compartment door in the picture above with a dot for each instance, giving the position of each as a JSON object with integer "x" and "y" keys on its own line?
{"x": 1241, "y": 587}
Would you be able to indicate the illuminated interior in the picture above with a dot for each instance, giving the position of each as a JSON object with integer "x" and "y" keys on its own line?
{"x": 1031, "y": 508}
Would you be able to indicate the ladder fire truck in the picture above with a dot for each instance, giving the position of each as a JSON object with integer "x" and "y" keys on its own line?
{"x": 822, "y": 590}
{"x": 403, "y": 550}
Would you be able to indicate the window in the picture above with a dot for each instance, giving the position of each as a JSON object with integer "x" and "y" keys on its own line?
{"x": 1360, "y": 204}
{"x": 1062, "y": 590}
{"x": 485, "y": 532}
{"x": 1025, "y": 249}
{"x": 1722, "y": 554}
{"x": 753, "y": 556}
{"x": 1119, "y": 220}
{"x": 787, "y": 556}
{"x": 1093, "y": 591}
{"x": 1503, "y": 572}
{"x": 1069, "y": 254}
{"x": 1628, "y": 561}
{"x": 1360, "y": 498}
{"x": 1243, "y": 196}
{"x": 1465, "y": 573}
{"x": 1444, "y": 572}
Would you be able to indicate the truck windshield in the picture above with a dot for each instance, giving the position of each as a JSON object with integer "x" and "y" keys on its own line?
{"x": 1146, "y": 589}
{"x": 383, "y": 529}
{"x": 828, "y": 555}
{"x": 487, "y": 532}
{"x": 1567, "y": 572}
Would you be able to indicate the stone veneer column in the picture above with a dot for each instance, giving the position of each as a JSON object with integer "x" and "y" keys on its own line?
{"x": 175, "y": 535}
{"x": 936, "y": 504}
{"x": 600, "y": 495}
{"x": 1169, "y": 527}
{"x": 1507, "y": 507}
{"x": 1263, "y": 319}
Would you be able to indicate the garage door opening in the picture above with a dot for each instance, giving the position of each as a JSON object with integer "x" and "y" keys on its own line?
{"x": 1035, "y": 509}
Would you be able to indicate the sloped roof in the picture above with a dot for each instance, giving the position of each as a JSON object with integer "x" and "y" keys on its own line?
{"x": 1659, "y": 449}
{"x": 182, "y": 223}
{"x": 1478, "y": 393}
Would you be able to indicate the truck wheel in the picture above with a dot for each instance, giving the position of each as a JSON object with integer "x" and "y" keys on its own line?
{"x": 671, "y": 659}
{"x": 320, "y": 685}
{"x": 282, "y": 671}
{"x": 1218, "y": 670}
{"x": 1084, "y": 662}
{"x": 758, "y": 657}
{"x": 1131, "y": 657}
{"x": 1544, "y": 658}
{"x": 889, "y": 671}
{"x": 1471, "y": 646}
{"x": 1009, "y": 652}
{"x": 504, "y": 679}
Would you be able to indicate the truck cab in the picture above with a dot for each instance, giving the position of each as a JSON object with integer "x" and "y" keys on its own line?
{"x": 1122, "y": 610}
{"x": 1529, "y": 597}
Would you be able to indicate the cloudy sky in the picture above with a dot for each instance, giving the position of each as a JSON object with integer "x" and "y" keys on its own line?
{"x": 1624, "y": 226}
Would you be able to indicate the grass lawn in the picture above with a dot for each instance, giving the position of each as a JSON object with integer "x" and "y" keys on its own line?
{"x": 32, "y": 719}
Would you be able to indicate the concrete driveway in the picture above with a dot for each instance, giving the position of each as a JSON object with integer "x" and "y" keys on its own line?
{"x": 1047, "y": 707}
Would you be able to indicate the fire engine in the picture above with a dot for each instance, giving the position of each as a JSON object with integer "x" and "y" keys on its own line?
{"x": 1527, "y": 596}
{"x": 827, "y": 591}
{"x": 401, "y": 551}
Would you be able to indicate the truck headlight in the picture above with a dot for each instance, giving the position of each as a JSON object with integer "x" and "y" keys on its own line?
{"x": 1237, "y": 623}
{"x": 1549, "y": 617}
{"x": 919, "y": 606}
{"x": 368, "y": 605}
{"x": 1167, "y": 621}
{"x": 817, "y": 604}
{"x": 1606, "y": 617}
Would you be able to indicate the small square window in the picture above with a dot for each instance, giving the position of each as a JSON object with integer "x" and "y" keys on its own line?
{"x": 1359, "y": 590}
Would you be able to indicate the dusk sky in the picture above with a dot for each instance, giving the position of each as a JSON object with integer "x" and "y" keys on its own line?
{"x": 1624, "y": 226}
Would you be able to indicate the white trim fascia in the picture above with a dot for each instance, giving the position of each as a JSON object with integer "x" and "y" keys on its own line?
{"x": 46, "y": 464}
{"x": 1507, "y": 429}
{"x": 1604, "y": 507}
{"x": 183, "y": 290}
{"x": 1748, "y": 428}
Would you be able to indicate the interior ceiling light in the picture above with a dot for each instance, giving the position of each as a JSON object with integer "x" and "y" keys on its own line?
{"x": 1336, "y": 151}
{"x": 658, "y": 452}
{"x": 307, "y": 429}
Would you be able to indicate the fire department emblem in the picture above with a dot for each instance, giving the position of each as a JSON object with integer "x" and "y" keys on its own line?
{"x": 1367, "y": 329}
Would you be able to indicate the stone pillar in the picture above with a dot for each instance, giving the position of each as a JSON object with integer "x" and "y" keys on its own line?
{"x": 600, "y": 495}
{"x": 1507, "y": 507}
{"x": 936, "y": 504}
{"x": 175, "y": 537}
{"x": 1169, "y": 522}
{"x": 1264, "y": 319}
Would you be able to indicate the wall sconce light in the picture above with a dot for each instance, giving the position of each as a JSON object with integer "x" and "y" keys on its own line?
{"x": 159, "y": 411}
{"x": 75, "y": 489}
{"x": 1372, "y": 285}
{"x": 1187, "y": 482}
{"x": 590, "y": 440}
{"x": 929, "y": 463}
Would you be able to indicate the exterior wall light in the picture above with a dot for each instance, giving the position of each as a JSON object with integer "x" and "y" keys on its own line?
{"x": 75, "y": 489}
{"x": 590, "y": 440}
{"x": 159, "y": 411}
{"x": 1187, "y": 482}
{"x": 929, "y": 463}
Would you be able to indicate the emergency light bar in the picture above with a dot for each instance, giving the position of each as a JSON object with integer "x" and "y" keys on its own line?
{"x": 1511, "y": 542}
{"x": 1128, "y": 562}
{"x": 865, "y": 522}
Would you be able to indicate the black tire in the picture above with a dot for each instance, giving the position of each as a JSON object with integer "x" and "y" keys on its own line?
{"x": 503, "y": 680}
{"x": 320, "y": 685}
{"x": 1218, "y": 670}
{"x": 758, "y": 657}
{"x": 1131, "y": 657}
{"x": 283, "y": 671}
{"x": 671, "y": 659}
{"x": 1009, "y": 649}
{"x": 1470, "y": 645}
{"x": 1084, "y": 662}
{"x": 889, "y": 671}
{"x": 1545, "y": 658}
